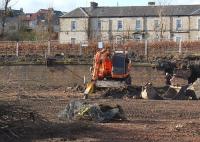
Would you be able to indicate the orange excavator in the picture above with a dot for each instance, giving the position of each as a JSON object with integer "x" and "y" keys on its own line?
{"x": 109, "y": 70}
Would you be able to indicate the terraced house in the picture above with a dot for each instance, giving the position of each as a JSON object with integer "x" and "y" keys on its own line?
{"x": 12, "y": 20}
{"x": 117, "y": 24}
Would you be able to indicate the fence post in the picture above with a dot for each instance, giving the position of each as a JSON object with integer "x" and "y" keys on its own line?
{"x": 80, "y": 51}
{"x": 49, "y": 48}
{"x": 146, "y": 49}
{"x": 17, "y": 49}
{"x": 180, "y": 47}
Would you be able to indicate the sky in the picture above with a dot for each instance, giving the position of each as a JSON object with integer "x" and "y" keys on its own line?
{"x": 68, "y": 5}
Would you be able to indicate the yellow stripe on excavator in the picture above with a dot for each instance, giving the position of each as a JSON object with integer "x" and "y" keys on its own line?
{"x": 89, "y": 89}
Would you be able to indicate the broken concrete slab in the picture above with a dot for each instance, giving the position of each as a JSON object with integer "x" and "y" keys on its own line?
{"x": 149, "y": 92}
{"x": 182, "y": 94}
{"x": 196, "y": 88}
{"x": 171, "y": 92}
{"x": 179, "y": 93}
{"x": 81, "y": 110}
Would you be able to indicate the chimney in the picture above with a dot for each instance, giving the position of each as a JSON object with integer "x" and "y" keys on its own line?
{"x": 93, "y": 5}
{"x": 21, "y": 9}
{"x": 50, "y": 9}
{"x": 151, "y": 3}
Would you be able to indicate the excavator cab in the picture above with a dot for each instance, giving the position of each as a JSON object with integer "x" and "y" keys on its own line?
{"x": 120, "y": 65}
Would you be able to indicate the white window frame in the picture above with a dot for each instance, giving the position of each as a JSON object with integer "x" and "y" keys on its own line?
{"x": 118, "y": 39}
{"x": 73, "y": 40}
{"x": 180, "y": 38}
{"x": 181, "y": 24}
{"x": 140, "y": 25}
{"x": 156, "y": 26}
{"x": 73, "y": 25}
{"x": 99, "y": 25}
{"x": 119, "y": 29}
{"x": 157, "y": 37}
{"x": 139, "y": 37}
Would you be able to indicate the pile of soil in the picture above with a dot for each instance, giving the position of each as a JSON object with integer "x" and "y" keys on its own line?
{"x": 119, "y": 93}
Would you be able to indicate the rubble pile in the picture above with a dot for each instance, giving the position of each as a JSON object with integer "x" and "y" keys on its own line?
{"x": 81, "y": 110}
{"x": 115, "y": 93}
{"x": 195, "y": 88}
{"x": 149, "y": 92}
{"x": 178, "y": 93}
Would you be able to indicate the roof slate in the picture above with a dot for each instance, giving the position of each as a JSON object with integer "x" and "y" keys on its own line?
{"x": 136, "y": 11}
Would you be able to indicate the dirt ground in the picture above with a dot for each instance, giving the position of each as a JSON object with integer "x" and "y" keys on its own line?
{"x": 33, "y": 116}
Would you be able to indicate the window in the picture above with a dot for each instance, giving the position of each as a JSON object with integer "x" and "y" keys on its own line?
{"x": 137, "y": 36}
{"x": 198, "y": 24}
{"x": 178, "y": 24}
{"x": 73, "y": 41}
{"x": 119, "y": 25}
{"x": 138, "y": 25}
{"x": 156, "y": 24}
{"x": 73, "y": 25}
{"x": 99, "y": 25}
{"x": 12, "y": 28}
{"x": 178, "y": 39}
{"x": 118, "y": 40}
{"x": 57, "y": 22}
{"x": 157, "y": 37}
{"x": 110, "y": 25}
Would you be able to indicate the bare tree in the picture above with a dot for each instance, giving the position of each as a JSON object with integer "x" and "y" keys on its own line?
{"x": 4, "y": 13}
{"x": 50, "y": 22}
{"x": 44, "y": 30}
{"x": 160, "y": 29}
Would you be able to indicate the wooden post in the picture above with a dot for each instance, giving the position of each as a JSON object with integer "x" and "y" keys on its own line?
{"x": 84, "y": 80}
{"x": 17, "y": 49}
{"x": 80, "y": 51}
{"x": 146, "y": 49}
{"x": 49, "y": 48}
{"x": 180, "y": 47}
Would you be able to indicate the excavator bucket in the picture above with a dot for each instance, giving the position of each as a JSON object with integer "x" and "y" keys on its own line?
{"x": 89, "y": 89}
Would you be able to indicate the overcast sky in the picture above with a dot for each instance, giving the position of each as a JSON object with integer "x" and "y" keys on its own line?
{"x": 67, "y": 5}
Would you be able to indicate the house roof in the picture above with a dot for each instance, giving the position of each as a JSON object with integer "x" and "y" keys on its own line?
{"x": 13, "y": 13}
{"x": 17, "y": 12}
{"x": 76, "y": 13}
{"x": 135, "y": 11}
{"x": 41, "y": 15}
{"x": 58, "y": 13}
{"x": 45, "y": 11}
{"x": 30, "y": 16}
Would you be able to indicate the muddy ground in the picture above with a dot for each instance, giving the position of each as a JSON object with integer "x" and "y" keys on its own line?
{"x": 31, "y": 97}
{"x": 31, "y": 116}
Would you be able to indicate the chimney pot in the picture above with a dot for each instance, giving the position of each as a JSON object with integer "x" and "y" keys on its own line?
{"x": 151, "y": 3}
{"x": 93, "y": 5}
